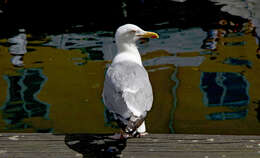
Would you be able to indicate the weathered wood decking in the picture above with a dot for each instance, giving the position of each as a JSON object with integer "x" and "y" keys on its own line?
{"x": 37, "y": 145}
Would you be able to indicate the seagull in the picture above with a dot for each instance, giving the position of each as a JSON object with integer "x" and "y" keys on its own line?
{"x": 127, "y": 92}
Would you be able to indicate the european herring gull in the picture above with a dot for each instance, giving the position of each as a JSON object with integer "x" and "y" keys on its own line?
{"x": 127, "y": 92}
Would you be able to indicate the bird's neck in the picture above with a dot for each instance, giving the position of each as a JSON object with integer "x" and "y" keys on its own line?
{"x": 127, "y": 47}
{"x": 127, "y": 52}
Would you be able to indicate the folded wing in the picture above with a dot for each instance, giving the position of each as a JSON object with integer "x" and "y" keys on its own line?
{"x": 127, "y": 90}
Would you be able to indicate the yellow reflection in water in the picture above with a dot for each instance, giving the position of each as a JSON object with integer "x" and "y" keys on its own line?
{"x": 190, "y": 113}
{"x": 74, "y": 92}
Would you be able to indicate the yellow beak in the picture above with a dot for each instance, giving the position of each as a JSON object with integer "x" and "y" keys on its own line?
{"x": 149, "y": 35}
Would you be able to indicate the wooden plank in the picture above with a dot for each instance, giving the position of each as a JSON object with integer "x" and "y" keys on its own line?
{"x": 201, "y": 146}
{"x": 13, "y": 145}
{"x": 31, "y": 145}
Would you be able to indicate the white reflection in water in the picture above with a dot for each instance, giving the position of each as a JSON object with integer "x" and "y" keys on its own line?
{"x": 18, "y": 48}
{"x": 177, "y": 41}
{"x": 77, "y": 41}
{"x": 172, "y": 40}
{"x": 177, "y": 61}
{"x": 248, "y": 9}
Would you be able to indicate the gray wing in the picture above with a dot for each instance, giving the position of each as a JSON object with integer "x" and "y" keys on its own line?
{"x": 127, "y": 89}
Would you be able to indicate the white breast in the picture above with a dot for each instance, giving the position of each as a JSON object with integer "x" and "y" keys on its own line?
{"x": 121, "y": 57}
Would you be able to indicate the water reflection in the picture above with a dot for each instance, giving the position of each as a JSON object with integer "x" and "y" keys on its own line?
{"x": 18, "y": 48}
{"x": 248, "y": 9}
{"x": 235, "y": 61}
{"x": 203, "y": 70}
{"x": 258, "y": 109}
{"x": 211, "y": 41}
{"x": 226, "y": 28}
{"x": 22, "y": 102}
{"x": 97, "y": 46}
{"x": 227, "y": 89}
{"x": 173, "y": 60}
{"x": 100, "y": 45}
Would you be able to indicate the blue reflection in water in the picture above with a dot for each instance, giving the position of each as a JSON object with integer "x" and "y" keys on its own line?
{"x": 212, "y": 91}
{"x": 211, "y": 40}
{"x": 227, "y": 115}
{"x": 235, "y": 61}
{"x": 224, "y": 88}
{"x": 21, "y": 100}
{"x": 242, "y": 43}
{"x": 228, "y": 89}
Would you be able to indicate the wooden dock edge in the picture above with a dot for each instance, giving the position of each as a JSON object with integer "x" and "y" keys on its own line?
{"x": 47, "y": 145}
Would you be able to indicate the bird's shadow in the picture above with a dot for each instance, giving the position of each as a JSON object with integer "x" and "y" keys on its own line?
{"x": 95, "y": 145}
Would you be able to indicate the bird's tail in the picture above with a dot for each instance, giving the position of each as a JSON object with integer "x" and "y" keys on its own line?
{"x": 132, "y": 125}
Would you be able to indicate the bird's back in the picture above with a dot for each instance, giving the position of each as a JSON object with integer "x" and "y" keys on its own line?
{"x": 127, "y": 89}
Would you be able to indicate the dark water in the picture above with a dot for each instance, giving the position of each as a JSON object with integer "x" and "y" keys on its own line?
{"x": 204, "y": 68}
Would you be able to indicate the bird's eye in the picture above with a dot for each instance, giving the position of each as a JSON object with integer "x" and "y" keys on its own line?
{"x": 133, "y": 31}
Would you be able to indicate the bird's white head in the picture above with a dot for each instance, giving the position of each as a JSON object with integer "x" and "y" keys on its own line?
{"x": 128, "y": 34}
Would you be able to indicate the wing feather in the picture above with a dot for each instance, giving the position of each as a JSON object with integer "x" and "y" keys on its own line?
{"x": 127, "y": 89}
